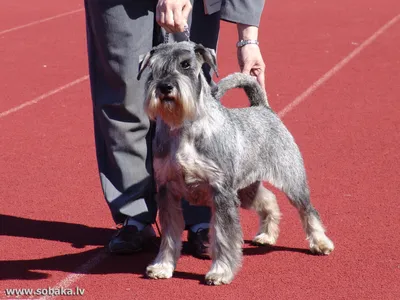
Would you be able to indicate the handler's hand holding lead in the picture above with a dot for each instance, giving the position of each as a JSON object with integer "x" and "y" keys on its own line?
{"x": 173, "y": 15}
{"x": 249, "y": 55}
{"x": 252, "y": 63}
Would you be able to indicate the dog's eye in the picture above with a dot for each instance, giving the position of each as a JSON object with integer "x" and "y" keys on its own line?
{"x": 185, "y": 64}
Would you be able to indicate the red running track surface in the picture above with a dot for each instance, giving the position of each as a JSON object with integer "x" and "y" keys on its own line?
{"x": 54, "y": 221}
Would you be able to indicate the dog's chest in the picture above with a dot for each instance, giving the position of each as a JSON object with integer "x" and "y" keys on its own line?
{"x": 180, "y": 159}
{"x": 189, "y": 171}
{"x": 196, "y": 167}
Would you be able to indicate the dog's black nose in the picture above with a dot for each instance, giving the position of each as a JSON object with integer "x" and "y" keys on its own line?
{"x": 165, "y": 88}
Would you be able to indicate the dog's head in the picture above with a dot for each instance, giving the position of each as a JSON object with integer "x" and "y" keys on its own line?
{"x": 176, "y": 81}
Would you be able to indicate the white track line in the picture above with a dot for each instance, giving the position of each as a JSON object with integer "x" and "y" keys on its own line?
{"x": 336, "y": 68}
{"x": 41, "y": 21}
{"x": 44, "y": 96}
{"x": 95, "y": 260}
{"x": 78, "y": 273}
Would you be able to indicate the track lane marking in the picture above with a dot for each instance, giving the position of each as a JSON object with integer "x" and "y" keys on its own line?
{"x": 40, "y": 21}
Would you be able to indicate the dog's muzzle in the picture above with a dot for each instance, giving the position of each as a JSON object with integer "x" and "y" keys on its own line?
{"x": 165, "y": 92}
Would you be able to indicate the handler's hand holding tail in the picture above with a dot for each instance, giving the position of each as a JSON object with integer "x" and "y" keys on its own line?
{"x": 249, "y": 56}
{"x": 173, "y": 15}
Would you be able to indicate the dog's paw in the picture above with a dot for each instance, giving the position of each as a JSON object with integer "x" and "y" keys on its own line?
{"x": 218, "y": 278}
{"x": 219, "y": 275}
{"x": 321, "y": 245}
{"x": 160, "y": 270}
{"x": 264, "y": 239}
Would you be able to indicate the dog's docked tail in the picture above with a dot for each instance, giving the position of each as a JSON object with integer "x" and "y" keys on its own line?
{"x": 250, "y": 85}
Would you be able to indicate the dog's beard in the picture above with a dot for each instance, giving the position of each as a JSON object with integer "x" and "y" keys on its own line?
{"x": 173, "y": 109}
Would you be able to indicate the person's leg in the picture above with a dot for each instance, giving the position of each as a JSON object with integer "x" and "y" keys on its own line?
{"x": 118, "y": 32}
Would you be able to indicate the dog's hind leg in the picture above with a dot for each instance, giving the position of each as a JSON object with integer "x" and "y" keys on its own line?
{"x": 263, "y": 201}
{"x": 312, "y": 224}
{"x": 226, "y": 239}
{"x": 294, "y": 185}
{"x": 172, "y": 226}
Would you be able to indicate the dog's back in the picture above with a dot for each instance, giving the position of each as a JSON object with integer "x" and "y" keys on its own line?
{"x": 250, "y": 85}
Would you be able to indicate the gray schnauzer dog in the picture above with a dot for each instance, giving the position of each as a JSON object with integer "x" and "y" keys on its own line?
{"x": 215, "y": 156}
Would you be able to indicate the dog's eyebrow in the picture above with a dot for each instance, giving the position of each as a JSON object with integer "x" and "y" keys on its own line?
{"x": 179, "y": 52}
{"x": 187, "y": 58}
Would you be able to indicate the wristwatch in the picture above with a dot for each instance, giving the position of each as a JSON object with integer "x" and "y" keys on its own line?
{"x": 242, "y": 43}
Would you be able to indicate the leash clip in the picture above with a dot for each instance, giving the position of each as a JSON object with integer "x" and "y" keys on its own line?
{"x": 186, "y": 33}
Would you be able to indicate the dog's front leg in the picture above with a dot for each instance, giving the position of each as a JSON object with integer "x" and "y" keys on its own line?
{"x": 172, "y": 226}
{"x": 226, "y": 239}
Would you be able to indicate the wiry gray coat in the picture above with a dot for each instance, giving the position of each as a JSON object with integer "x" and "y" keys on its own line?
{"x": 211, "y": 155}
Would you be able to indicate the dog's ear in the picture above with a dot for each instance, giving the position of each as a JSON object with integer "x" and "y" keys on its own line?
{"x": 208, "y": 56}
{"x": 144, "y": 62}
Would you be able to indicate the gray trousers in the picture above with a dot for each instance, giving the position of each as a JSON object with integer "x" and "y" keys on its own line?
{"x": 118, "y": 32}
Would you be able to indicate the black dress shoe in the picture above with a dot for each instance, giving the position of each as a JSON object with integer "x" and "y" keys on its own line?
{"x": 129, "y": 239}
{"x": 199, "y": 243}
